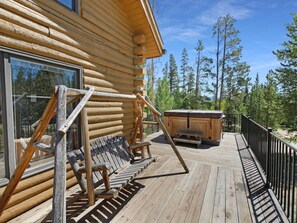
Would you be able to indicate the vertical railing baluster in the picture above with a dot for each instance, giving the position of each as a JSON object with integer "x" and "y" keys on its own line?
{"x": 289, "y": 181}
{"x": 273, "y": 166}
{"x": 268, "y": 155}
{"x": 293, "y": 189}
{"x": 282, "y": 174}
{"x": 285, "y": 176}
{"x": 278, "y": 169}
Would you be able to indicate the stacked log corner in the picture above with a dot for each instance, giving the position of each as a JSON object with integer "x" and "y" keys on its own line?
{"x": 139, "y": 72}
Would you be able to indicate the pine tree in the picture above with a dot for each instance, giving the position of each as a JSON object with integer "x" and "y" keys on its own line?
{"x": 228, "y": 56}
{"x": 164, "y": 99}
{"x": 272, "y": 102}
{"x": 256, "y": 109}
{"x": 173, "y": 75}
{"x": 286, "y": 75}
{"x": 184, "y": 69}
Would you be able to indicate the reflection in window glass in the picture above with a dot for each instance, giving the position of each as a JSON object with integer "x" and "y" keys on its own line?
{"x": 68, "y": 3}
{"x": 32, "y": 86}
{"x": 2, "y": 167}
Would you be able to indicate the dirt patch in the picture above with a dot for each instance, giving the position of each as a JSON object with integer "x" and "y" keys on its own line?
{"x": 289, "y": 137}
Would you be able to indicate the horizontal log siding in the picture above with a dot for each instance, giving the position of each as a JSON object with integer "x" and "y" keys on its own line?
{"x": 100, "y": 40}
{"x": 32, "y": 191}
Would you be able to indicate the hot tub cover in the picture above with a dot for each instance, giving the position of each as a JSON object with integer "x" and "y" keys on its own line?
{"x": 194, "y": 113}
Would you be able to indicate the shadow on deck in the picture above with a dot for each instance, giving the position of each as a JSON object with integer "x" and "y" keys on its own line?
{"x": 102, "y": 211}
{"x": 265, "y": 207}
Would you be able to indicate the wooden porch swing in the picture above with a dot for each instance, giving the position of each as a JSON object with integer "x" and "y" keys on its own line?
{"x": 61, "y": 97}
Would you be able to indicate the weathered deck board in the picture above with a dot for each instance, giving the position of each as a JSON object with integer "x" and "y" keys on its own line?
{"x": 213, "y": 191}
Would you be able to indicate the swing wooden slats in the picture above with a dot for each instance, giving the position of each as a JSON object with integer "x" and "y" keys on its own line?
{"x": 111, "y": 152}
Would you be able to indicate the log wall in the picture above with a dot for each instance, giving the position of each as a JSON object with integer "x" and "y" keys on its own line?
{"x": 100, "y": 39}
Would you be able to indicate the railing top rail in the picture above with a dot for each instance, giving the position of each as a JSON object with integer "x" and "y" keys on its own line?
{"x": 260, "y": 126}
{"x": 284, "y": 142}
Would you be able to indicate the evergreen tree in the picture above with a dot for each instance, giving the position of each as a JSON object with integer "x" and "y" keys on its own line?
{"x": 173, "y": 75}
{"x": 286, "y": 74}
{"x": 164, "y": 99}
{"x": 228, "y": 56}
{"x": 272, "y": 102}
{"x": 235, "y": 90}
{"x": 257, "y": 103}
{"x": 149, "y": 80}
{"x": 165, "y": 71}
{"x": 184, "y": 69}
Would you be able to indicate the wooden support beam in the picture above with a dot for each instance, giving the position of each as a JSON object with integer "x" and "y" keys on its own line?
{"x": 139, "y": 39}
{"x": 137, "y": 126}
{"x": 20, "y": 169}
{"x": 101, "y": 95}
{"x": 59, "y": 199}
{"x": 139, "y": 60}
{"x": 161, "y": 124}
{"x": 140, "y": 71}
{"x": 149, "y": 105}
{"x": 139, "y": 51}
{"x": 88, "y": 159}
{"x": 76, "y": 112}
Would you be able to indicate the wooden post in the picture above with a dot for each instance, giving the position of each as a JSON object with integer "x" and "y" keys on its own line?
{"x": 172, "y": 144}
{"x": 59, "y": 199}
{"x": 20, "y": 169}
{"x": 151, "y": 107}
{"x": 161, "y": 124}
{"x": 76, "y": 112}
{"x": 88, "y": 159}
{"x": 137, "y": 126}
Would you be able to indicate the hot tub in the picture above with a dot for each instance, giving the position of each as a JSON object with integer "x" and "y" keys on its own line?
{"x": 203, "y": 123}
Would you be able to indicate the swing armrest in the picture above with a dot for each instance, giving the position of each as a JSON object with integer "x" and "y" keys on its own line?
{"x": 139, "y": 144}
{"x": 96, "y": 167}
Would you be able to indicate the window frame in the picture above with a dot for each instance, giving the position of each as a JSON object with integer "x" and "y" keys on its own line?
{"x": 7, "y": 107}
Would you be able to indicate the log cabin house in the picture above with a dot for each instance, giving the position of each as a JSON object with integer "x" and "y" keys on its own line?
{"x": 77, "y": 43}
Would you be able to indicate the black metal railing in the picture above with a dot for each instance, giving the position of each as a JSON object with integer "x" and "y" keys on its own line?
{"x": 277, "y": 158}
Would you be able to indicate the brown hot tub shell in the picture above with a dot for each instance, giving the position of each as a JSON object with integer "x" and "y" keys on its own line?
{"x": 207, "y": 123}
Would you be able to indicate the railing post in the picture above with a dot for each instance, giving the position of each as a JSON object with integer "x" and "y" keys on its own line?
{"x": 268, "y": 156}
{"x": 248, "y": 130}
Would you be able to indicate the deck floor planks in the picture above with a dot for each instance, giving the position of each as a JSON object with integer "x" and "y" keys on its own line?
{"x": 231, "y": 203}
{"x": 167, "y": 213}
{"x": 141, "y": 198}
{"x": 213, "y": 191}
{"x": 158, "y": 198}
{"x": 209, "y": 198}
{"x": 185, "y": 202}
{"x": 199, "y": 194}
{"x": 166, "y": 198}
{"x": 244, "y": 214}
{"x": 219, "y": 210}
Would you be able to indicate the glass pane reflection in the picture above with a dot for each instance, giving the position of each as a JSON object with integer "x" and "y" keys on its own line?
{"x": 32, "y": 85}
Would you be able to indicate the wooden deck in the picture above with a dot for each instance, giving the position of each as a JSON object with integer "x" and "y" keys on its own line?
{"x": 213, "y": 191}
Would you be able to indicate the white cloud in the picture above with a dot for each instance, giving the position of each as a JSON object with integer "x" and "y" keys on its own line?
{"x": 172, "y": 33}
{"x": 223, "y": 7}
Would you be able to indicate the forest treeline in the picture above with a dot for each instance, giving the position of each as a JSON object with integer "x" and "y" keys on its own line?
{"x": 222, "y": 82}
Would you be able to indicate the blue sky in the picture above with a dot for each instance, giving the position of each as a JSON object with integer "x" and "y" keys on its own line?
{"x": 262, "y": 26}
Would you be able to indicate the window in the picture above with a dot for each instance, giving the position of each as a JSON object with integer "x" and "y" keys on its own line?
{"x": 72, "y": 4}
{"x": 28, "y": 89}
